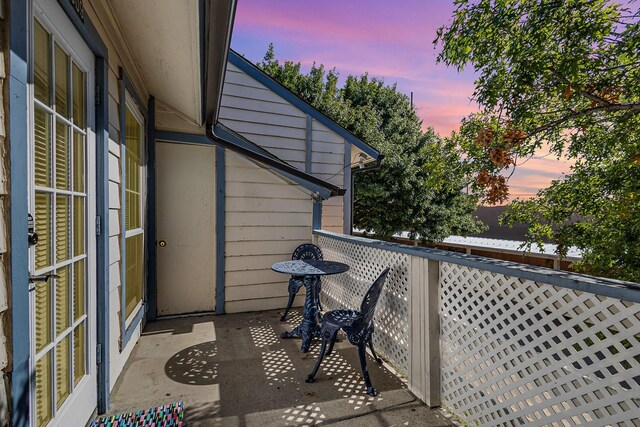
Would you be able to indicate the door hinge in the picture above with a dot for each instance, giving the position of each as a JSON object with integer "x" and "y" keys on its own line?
{"x": 98, "y": 94}
{"x": 98, "y": 225}
{"x": 99, "y": 354}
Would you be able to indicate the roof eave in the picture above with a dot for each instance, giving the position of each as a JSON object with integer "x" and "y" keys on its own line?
{"x": 216, "y": 25}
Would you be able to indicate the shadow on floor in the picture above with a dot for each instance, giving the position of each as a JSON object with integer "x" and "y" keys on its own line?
{"x": 236, "y": 370}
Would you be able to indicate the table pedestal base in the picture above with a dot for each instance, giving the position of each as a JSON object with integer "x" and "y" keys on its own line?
{"x": 309, "y": 328}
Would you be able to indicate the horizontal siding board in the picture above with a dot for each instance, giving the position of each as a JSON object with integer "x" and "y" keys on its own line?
{"x": 114, "y": 195}
{"x": 328, "y": 158}
{"x": 249, "y": 92}
{"x": 265, "y": 205}
{"x": 114, "y": 249}
{"x": 114, "y": 276}
{"x": 266, "y": 129}
{"x": 274, "y": 233}
{"x": 114, "y": 222}
{"x": 114, "y": 113}
{"x": 253, "y": 104}
{"x": 267, "y": 219}
{"x": 114, "y": 84}
{"x": 283, "y": 248}
{"x": 253, "y": 262}
{"x": 264, "y": 247}
{"x": 324, "y": 133}
{"x": 240, "y": 78}
{"x": 114, "y": 168}
{"x": 257, "y": 291}
{"x": 114, "y": 146}
{"x": 327, "y": 147}
{"x": 239, "y": 189}
{"x": 264, "y": 117}
{"x": 252, "y": 277}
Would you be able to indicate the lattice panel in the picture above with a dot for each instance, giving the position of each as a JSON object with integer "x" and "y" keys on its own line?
{"x": 516, "y": 351}
{"x": 347, "y": 290}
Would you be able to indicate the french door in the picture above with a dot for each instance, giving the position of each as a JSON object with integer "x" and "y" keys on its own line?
{"x": 62, "y": 203}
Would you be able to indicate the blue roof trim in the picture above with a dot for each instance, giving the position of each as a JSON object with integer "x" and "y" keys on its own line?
{"x": 223, "y": 131}
{"x": 298, "y": 102}
{"x": 230, "y": 139}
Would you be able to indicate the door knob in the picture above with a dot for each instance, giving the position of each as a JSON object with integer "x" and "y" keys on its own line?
{"x": 162, "y": 243}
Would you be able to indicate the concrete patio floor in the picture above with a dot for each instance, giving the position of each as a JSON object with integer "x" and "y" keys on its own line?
{"x": 235, "y": 370}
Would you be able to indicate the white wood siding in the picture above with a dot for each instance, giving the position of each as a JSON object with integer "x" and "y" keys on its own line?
{"x": 327, "y": 156}
{"x": 118, "y": 56}
{"x": 266, "y": 219}
{"x": 265, "y": 118}
{"x": 254, "y": 111}
{"x": 5, "y": 321}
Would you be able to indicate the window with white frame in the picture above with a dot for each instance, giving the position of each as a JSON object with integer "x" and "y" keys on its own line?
{"x": 133, "y": 212}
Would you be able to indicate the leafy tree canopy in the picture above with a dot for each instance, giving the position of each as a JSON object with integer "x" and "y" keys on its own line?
{"x": 566, "y": 74}
{"x": 419, "y": 185}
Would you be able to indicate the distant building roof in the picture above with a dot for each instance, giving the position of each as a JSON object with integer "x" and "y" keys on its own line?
{"x": 508, "y": 245}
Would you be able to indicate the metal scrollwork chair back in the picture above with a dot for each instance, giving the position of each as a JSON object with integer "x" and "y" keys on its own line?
{"x": 305, "y": 251}
{"x": 357, "y": 325}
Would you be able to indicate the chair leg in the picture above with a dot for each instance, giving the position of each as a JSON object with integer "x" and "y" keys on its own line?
{"x": 312, "y": 375}
{"x": 334, "y": 337}
{"x": 373, "y": 352}
{"x": 365, "y": 372}
{"x": 293, "y": 291}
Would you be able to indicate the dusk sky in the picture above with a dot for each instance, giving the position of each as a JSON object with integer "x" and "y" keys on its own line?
{"x": 392, "y": 40}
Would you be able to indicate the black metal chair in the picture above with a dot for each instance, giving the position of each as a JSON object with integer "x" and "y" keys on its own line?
{"x": 357, "y": 325}
{"x": 305, "y": 251}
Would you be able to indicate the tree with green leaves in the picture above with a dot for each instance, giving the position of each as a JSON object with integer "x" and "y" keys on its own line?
{"x": 419, "y": 186}
{"x": 566, "y": 75}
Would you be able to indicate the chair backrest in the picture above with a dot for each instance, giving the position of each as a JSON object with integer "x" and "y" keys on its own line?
{"x": 307, "y": 251}
{"x": 370, "y": 300}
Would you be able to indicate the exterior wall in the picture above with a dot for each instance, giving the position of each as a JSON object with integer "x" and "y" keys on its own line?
{"x": 254, "y": 111}
{"x": 265, "y": 118}
{"x": 327, "y": 156}
{"x": 5, "y": 319}
{"x": 266, "y": 219}
{"x": 119, "y": 56}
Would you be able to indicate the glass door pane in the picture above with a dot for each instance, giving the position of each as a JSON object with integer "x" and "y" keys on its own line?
{"x": 59, "y": 204}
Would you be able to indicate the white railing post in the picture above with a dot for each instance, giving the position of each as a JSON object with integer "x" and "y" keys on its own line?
{"x": 424, "y": 343}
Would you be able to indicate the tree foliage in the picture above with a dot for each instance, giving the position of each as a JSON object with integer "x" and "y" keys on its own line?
{"x": 419, "y": 186}
{"x": 564, "y": 74}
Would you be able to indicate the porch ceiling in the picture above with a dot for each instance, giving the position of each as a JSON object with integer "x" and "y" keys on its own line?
{"x": 164, "y": 40}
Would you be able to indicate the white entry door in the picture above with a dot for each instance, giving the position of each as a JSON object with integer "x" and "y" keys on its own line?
{"x": 62, "y": 203}
{"x": 185, "y": 217}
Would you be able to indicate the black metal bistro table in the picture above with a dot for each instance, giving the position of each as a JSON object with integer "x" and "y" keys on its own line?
{"x": 311, "y": 270}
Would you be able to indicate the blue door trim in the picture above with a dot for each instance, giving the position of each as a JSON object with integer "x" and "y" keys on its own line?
{"x": 19, "y": 253}
{"x": 220, "y": 228}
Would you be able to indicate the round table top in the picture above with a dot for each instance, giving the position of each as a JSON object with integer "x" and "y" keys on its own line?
{"x": 308, "y": 267}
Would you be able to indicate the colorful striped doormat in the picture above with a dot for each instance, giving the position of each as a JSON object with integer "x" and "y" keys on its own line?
{"x": 170, "y": 415}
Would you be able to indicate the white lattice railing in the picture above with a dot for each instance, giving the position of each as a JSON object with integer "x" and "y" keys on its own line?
{"x": 515, "y": 344}
{"x": 346, "y": 290}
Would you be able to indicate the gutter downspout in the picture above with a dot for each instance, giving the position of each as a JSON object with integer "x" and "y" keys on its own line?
{"x": 354, "y": 171}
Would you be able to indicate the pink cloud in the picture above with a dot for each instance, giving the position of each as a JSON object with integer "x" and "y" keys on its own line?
{"x": 387, "y": 39}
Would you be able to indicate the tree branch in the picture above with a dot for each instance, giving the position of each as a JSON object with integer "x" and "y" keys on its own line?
{"x": 586, "y": 94}
{"x": 604, "y": 108}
